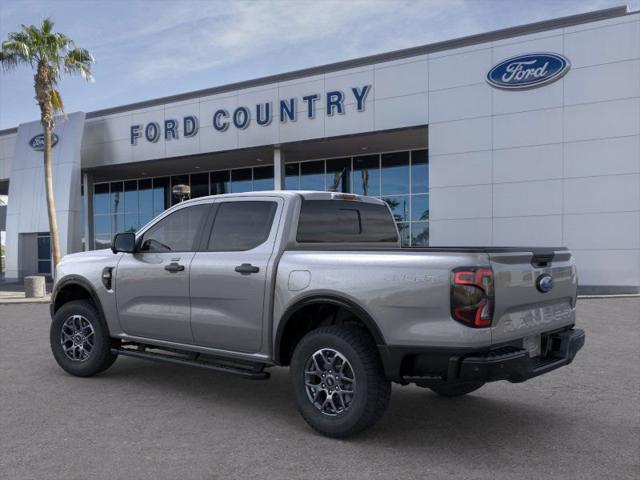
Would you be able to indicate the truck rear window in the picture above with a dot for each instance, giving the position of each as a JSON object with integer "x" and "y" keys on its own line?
{"x": 343, "y": 221}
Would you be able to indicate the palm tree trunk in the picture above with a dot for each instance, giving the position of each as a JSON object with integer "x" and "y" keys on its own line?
{"x": 51, "y": 201}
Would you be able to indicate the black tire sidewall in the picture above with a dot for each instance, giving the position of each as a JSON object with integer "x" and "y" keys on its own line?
{"x": 345, "y": 423}
{"x": 101, "y": 356}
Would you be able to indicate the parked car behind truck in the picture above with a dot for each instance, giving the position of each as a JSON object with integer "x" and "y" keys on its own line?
{"x": 316, "y": 281}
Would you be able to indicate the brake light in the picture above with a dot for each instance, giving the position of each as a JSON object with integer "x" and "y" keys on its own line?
{"x": 344, "y": 196}
{"x": 472, "y": 296}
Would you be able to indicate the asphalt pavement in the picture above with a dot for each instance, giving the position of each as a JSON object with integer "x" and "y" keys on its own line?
{"x": 143, "y": 420}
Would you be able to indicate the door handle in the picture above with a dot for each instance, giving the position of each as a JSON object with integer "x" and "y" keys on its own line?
{"x": 246, "y": 269}
{"x": 174, "y": 267}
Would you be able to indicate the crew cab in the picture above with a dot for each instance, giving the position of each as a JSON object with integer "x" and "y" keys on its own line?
{"x": 316, "y": 281}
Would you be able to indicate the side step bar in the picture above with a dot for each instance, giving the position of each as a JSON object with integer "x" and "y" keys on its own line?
{"x": 252, "y": 372}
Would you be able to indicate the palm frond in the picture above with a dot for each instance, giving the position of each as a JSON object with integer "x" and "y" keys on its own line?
{"x": 19, "y": 47}
{"x": 47, "y": 26}
{"x": 51, "y": 54}
{"x": 79, "y": 61}
{"x": 56, "y": 101}
{"x": 9, "y": 61}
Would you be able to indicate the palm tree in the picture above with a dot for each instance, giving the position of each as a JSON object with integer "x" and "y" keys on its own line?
{"x": 50, "y": 54}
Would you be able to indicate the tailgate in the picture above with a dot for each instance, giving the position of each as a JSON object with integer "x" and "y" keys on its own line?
{"x": 522, "y": 306}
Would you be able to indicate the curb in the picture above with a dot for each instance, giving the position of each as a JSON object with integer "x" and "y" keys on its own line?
{"x": 22, "y": 301}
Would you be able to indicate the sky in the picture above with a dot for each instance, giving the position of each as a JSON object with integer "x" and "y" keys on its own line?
{"x": 150, "y": 49}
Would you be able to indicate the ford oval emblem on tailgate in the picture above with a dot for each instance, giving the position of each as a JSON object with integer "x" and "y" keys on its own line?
{"x": 544, "y": 283}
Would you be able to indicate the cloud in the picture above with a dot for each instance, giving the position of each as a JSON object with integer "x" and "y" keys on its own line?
{"x": 148, "y": 49}
{"x": 196, "y": 36}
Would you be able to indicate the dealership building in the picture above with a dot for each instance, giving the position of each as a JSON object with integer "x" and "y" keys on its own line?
{"x": 528, "y": 135}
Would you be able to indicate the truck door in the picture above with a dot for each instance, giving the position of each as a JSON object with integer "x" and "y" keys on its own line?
{"x": 229, "y": 274}
{"x": 152, "y": 285}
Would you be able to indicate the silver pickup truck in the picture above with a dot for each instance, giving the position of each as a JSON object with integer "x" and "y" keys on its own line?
{"x": 316, "y": 281}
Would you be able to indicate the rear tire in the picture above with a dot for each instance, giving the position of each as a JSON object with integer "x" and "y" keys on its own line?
{"x": 80, "y": 340}
{"x": 456, "y": 390}
{"x": 353, "y": 394}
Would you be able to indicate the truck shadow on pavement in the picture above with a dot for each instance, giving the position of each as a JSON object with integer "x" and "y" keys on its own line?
{"x": 416, "y": 416}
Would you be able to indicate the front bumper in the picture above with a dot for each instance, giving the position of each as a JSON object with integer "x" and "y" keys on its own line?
{"x": 509, "y": 362}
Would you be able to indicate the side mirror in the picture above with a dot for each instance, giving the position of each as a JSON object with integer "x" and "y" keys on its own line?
{"x": 124, "y": 242}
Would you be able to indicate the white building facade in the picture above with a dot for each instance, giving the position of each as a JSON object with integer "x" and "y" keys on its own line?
{"x": 528, "y": 136}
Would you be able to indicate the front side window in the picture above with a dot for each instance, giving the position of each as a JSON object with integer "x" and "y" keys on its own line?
{"x": 176, "y": 232}
{"x": 241, "y": 226}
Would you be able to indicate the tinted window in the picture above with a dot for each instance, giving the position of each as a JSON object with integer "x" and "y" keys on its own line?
{"x": 312, "y": 175}
{"x": 262, "y": 178}
{"x": 176, "y": 232}
{"x": 241, "y": 226}
{"x": 241, "y": 180}
{"x": 395, "y": 173}
{"x": 220, "y": 182}
{"x": 338, "y": 175}
{"x": 366, "y": 175}
{"x": 345, "y": 221}
{"x": 199, "y": 185}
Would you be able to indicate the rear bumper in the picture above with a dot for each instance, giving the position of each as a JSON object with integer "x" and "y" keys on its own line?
{"x": 512, "y": 363}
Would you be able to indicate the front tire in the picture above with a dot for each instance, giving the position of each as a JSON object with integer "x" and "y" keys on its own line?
{"x": 79, "y": 339}
{"x": 338, "y": 381}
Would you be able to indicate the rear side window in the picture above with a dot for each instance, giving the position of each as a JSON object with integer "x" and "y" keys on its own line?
{"x": 241, "y": 226}
{"x": 345, "y": 221}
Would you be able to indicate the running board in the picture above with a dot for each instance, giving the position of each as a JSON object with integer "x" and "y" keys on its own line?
{"x": 255, "y": 373}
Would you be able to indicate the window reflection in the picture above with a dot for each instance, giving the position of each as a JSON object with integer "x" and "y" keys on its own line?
{"x": 145, "y": 196}
{"x": 199, "y": 185}
{"x": 292, "y": 176}
{"x": 101, "y": 198}
{"x": 241, "y": 180}
{"x": 312, "y": 175}
{"x": 420, "y": 234}
{"x": 117, "y": 198}
{"x": 339, "y": 175}
{"x": 220, "y": 182}
{"x": 395, "y": 173}
{"x": 263, "y": 178}
{"x": 401, "y": 179}
{"x": 131, "y": 203}
{"x": 420, "y": 208}
{"x": 399, "y": 206}
{"x": 419, "y": 171}
{"x": 405, "y": 240}
{"x": 366, "y": 175}
{"x": 161, "y": 195}
{"x": 131, "y": 223}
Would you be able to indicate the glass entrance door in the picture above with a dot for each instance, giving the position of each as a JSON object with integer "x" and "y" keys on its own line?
{"x": 44, "y": 253}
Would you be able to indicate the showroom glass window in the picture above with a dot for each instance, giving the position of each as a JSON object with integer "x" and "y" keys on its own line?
{"x": 399, "y": 178}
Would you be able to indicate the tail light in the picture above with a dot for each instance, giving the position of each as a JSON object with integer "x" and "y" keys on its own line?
{"x": 472, "y": 296}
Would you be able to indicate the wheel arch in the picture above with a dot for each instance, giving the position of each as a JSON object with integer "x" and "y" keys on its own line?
{"x": 288, "y": 320}
{"x": 74, "y": 287}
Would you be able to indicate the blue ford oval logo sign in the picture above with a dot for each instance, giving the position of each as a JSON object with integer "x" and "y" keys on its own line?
{"x": 528, "y": 71}
{"x": 37, "y": 142}
{"x": 544, "y": 283}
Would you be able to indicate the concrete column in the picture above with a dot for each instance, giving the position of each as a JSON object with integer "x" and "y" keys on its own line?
{"x": 87, "y": 219}
{"x": 278, "y": 169}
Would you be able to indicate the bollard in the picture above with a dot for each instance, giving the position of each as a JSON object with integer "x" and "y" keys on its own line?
{"x": 34, "y": 287}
